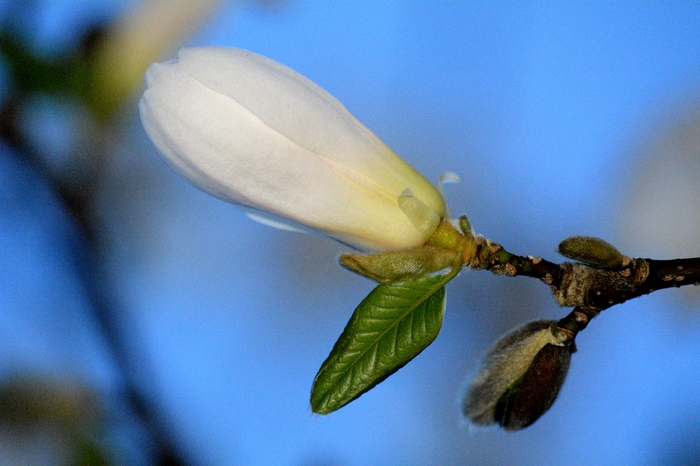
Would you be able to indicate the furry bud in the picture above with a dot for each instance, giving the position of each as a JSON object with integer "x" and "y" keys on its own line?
{"x": 520, "y": 378}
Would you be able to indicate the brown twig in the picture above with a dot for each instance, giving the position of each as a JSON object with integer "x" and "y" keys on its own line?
{"x": 588, "y": 288}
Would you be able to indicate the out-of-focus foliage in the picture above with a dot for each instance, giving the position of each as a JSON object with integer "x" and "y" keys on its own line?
{"x": 69, "y": 415}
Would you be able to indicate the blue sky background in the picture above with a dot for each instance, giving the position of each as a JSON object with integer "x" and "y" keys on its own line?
{"x": 551, "y": 113}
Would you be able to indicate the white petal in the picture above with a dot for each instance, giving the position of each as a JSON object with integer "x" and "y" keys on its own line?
{"x": 274, "y": 221}
{"x": 448, "y": 177}
{"x": 309, "y": 116}
{"x": 255, "y": 133}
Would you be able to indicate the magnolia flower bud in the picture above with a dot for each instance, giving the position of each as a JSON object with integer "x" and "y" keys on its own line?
{"x": 520, "y": 378}
{"x": 255, "y": 133}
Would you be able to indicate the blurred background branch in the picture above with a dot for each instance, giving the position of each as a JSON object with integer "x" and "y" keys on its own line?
{"x": 102, "y": 74}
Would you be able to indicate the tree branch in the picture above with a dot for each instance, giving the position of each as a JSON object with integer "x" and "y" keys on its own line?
{"x": 590, "y": 289}
{"x": 99, "y": 291}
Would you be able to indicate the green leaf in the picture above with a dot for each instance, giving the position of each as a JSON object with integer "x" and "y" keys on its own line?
{"x": 391, "y": 326}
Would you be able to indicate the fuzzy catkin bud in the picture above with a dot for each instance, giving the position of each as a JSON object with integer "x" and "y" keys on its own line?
{"x": 520, "y": 378}
{"x": 532, "y": 395}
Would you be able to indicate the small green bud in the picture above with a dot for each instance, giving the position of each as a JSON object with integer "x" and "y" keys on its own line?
{"x": 387, "y": 267}
{"x": 520, "y": 378}
{"x": 440, "y": 252}
{"x": 592, "y": 251}
{"x": 466, "y": 226}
